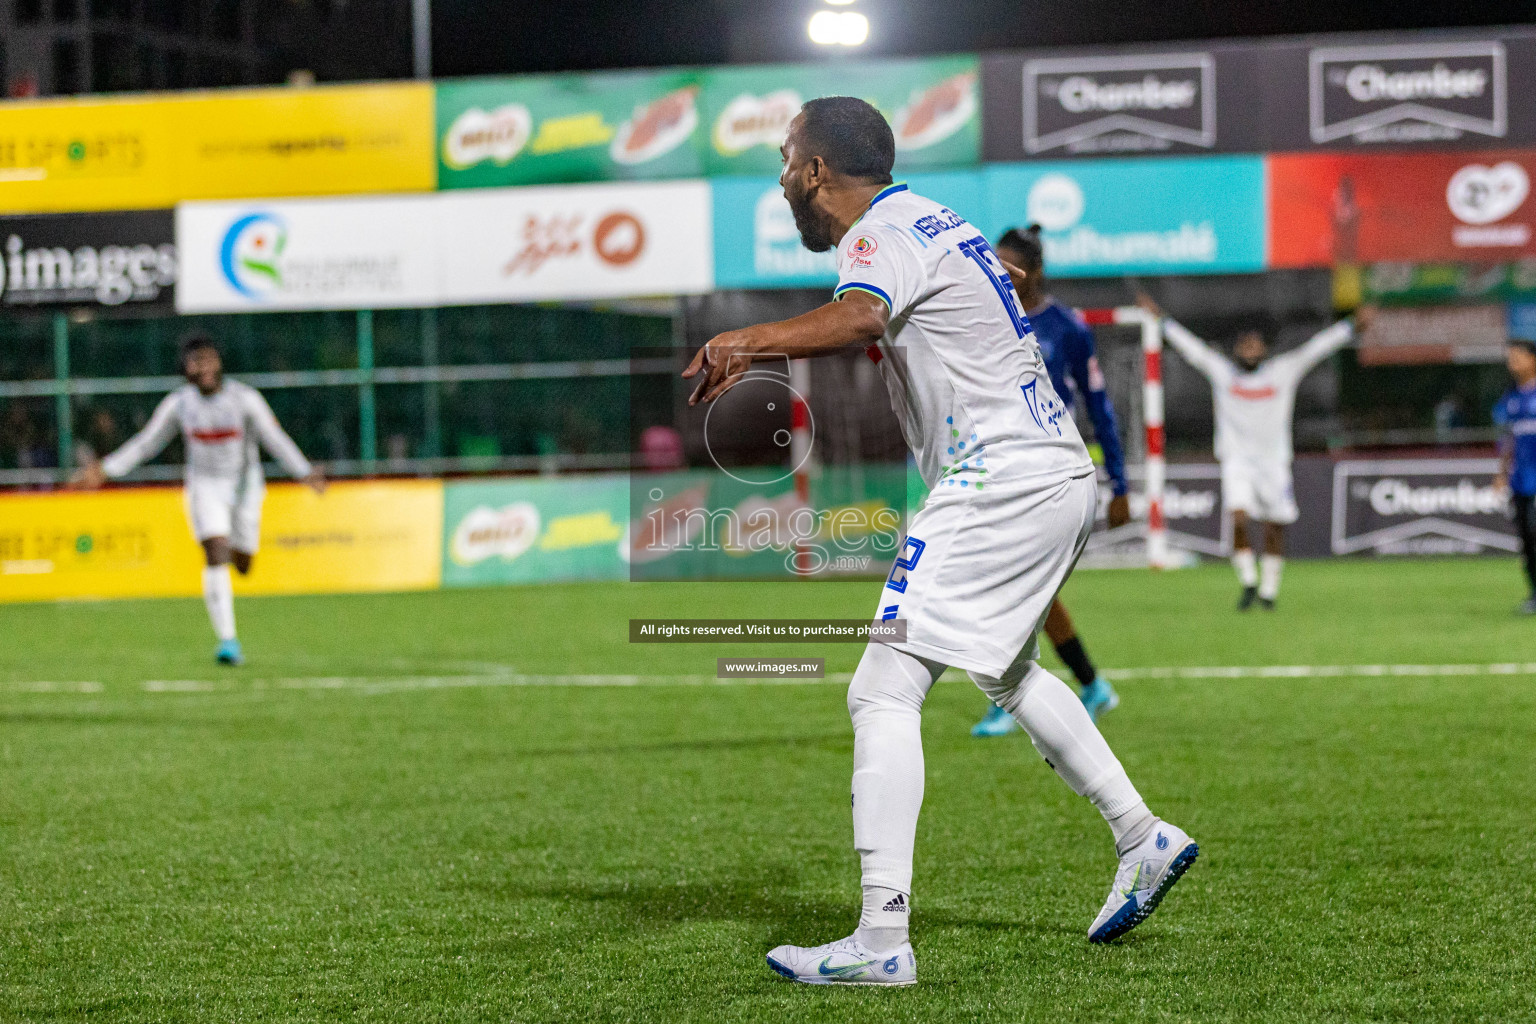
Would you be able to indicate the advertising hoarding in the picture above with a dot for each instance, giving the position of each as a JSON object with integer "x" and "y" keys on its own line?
{"x": 1164, "y": 215}
{"x": 91, "y": 259}
{"x": 933, "y": 105}
{"x": 1344, "y": 208}
{"x": 573, "y": 242}
{"x": 361, "y": 253}
{"x": 539, "y": 129}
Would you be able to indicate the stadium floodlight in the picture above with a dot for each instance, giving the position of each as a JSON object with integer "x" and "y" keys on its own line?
{"x": 834, "y": 28}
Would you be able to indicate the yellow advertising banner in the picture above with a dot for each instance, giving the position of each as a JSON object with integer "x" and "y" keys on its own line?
{"x": 324, "y": 140}
{"x": 135, "y": 542}
{"x": 153, "y": 152}
{"x": 58, "y": 155}
{"x": 358, "y": 536}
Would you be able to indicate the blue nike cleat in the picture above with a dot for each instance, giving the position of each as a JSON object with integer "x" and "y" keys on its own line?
{"x": 230, "y": 653}
{"x": 997, "y": 723}
{"x": 1099, "y": 697}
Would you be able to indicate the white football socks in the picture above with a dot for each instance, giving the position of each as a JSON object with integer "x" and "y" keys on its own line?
{"x": 1247, "y": 569}
{"x": 883, "y": 922}
{"x": 219, "y": 596}
{"x": 1269, "y": 576}
{"x": 1059, "y": 727}
{"x": 885, "y": 700}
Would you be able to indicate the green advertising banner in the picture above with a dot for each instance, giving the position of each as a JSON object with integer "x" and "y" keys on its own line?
{"x": 693, "y": 524}
{"x": 1411, "y": 283}
{"x": 536, "y": 129}
{"x": 535, "y": 530}
{"x": 713, "y": 524}
{"x": 932, "y": 104}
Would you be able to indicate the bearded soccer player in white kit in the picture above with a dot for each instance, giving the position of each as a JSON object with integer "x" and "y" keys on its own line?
{"x": 1012, "y": 499}
{"x": 1255, "y": 398}
{"x": 221, "y": 423}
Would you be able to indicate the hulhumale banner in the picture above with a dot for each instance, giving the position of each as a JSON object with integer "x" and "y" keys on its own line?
{"x": 758, "y": 246}
{"x": 576, "y": 127}
{"x": 1195, "y": 215}
{"x": 933, "y": 105}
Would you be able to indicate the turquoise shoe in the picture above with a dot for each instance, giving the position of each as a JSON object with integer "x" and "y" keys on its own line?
{"x": 230, "y": 653}
{"x": 997, "y": 723}
{"x": 1099, "y": 697}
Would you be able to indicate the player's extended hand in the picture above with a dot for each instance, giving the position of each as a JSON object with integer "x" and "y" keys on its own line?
{"x": 1148, "y": 303}
{"x": 88, "y": 477}
{"x": 1119, "y": 510}
{"x": 316, "y": 480}
{"x": 1364, "y": 317}
{"x": 723, "y": 361}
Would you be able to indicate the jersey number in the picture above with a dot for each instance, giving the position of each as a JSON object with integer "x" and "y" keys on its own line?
{"x": 977, "y": 249}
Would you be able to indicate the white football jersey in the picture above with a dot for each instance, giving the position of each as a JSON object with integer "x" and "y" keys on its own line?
{"x": 221, "y": 432}
{"x": 1254, "y": 408}
{"x": 959, "y": 358}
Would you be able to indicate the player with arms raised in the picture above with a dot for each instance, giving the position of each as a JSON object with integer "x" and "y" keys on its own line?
{"x": 1255, "y": 398}
{"x": 221, "y": 423}
{"x": 1067, "y": 346}
{"x": 1012, "y": 498}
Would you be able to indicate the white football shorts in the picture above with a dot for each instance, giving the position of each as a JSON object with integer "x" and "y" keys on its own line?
{"x": 223, "y": 507}
{"x": 1264, "y": 491}
{"x": 978, "y": 570}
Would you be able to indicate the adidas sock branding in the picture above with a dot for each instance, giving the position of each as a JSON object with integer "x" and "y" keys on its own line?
{"x": 897, "y": 905}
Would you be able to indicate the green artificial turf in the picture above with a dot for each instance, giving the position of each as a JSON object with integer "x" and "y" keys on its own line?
{"x": 377, "y": 819}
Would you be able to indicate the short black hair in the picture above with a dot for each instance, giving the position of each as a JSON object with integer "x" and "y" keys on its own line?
{"x": 1525, "y": 343}
{"x": 1027, "y": 244}
{"x": 851, "y": 136}
{"x": 191, "y": 343}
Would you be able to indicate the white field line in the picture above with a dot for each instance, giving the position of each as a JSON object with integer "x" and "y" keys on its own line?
{"x": 47, "y": 686}
{"x": 382, "y": 684}
{"x": 1319, "y": 671}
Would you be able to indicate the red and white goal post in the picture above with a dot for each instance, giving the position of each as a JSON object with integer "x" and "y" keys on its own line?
{"x": 1156, "y": 469}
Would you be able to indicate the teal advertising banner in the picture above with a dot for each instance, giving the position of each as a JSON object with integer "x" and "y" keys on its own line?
{"x": 757, "y": 246}
{"x": 1164, "y": 215}
{"x": 535, "y": 530}
{"x": 535, "y": 129}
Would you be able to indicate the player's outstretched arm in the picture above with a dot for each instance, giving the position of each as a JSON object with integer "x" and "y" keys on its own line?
{"x": 1330, "y": 339}
{"x": 276, "y": 441}
{"x": 1195, "y": 352}
{"x": 855, "y": 319}
{"x": 139, "y": 448}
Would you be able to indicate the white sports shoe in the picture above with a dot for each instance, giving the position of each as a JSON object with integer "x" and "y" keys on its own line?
{"x": 845, "y": 962}
{"x": 1144, "y": 877}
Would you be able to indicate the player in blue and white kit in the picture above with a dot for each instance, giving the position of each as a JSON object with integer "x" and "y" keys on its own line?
{"x": 1516, "y": 414}
{"x": 1067, "y": 345}
{"x": 1011, "y": 500}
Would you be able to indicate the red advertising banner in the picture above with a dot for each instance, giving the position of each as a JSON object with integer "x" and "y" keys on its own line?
{"x": 1331, "y": 209}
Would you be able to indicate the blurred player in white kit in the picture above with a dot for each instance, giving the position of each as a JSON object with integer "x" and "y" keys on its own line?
{"x": 223, "y": 424}
{"x": 1255, "y": 398}
{"x": 1012, "y": 498}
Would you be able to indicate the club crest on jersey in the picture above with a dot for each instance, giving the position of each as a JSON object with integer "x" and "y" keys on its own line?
{"x": 860, "y": 251}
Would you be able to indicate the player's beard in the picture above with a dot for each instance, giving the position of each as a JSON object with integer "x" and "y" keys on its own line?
{"x": 1248, "y": 365}
{"x": 815, "y": 228}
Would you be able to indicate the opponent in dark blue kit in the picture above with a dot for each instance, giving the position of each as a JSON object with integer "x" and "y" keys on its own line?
{"x": 1067, "y": 345}
{"x": 1516, "y": 414}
